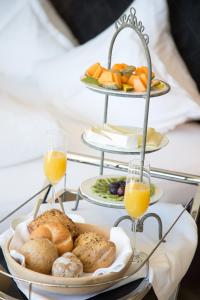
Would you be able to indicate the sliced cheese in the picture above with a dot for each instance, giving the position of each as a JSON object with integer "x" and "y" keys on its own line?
{"x": 153, "y": 139}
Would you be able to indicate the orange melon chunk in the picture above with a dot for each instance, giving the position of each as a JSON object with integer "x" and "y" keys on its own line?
{"x": 139, "y": 85}
{"x": 111, "y": 80}
{"x": 98, "y": 72}
{"x": 136, "y": 82}
{"x": 119, "y": 67}
{"x": 91, "y": 70}
{"x": 143, "y": 69}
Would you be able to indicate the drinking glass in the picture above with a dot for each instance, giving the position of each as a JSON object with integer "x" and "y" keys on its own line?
{"x": 55, "y": 158}
{"x": 137, "y": 193}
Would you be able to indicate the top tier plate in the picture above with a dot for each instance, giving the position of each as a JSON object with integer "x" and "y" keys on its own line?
{"x": 155, "y": 92}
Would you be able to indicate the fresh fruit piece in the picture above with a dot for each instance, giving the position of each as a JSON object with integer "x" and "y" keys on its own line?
{"x": 144, "y": 78}
{"x": 127, "y": 87}
{"x": 125, "y": 71}
{"x": 121, "y": 190}
{"x": 119, "y": 67}
{"x": 128, "y": 70}
{"x": 157, "y": 84}
{"x": 144, "y": 70}
{"x": 110, "y": 80}
{"x": 113, "y": 188}
{"x": 98, "y": 72}
{"x": 131, "y": 81}
{"x": 125, "y": 78}
{"x": 89, "y": 80}
{"x": 91, "y": 70}
{"x": 137, "y": 84}
{"x": 122, "y": 182}
{"x": 117, "y": 78}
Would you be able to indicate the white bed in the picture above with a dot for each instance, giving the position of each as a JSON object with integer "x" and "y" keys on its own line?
{"x": 42, "y": 90}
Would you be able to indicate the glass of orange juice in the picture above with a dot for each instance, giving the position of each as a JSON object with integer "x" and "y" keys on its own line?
{"x": 137, "y": 192}
{"x": 55, "y": 158}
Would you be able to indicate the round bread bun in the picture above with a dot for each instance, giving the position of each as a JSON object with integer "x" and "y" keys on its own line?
{"x": 88, "y": 237}
{"x": 57, "y": 216}
{"x": 95, "y": 255}
{"x": 39, "y": 255}
{"x": 67, "y": 265}
{"x": 57, "y": 233}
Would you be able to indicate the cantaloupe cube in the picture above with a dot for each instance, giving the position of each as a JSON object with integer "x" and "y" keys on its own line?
{"x": 119, "y": 67}
{"x": 117, "y": 78}
{"x": 144, "y": 70}
{"x": 138, "y": 85}
{"x": 131, "y": 80}
{"x": 144, "y": 78}
{"x": 98, "y": 72}
{"x": 91, "y": 70}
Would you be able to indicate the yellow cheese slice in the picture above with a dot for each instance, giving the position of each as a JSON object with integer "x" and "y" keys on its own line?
{"x": 153, "y": 140}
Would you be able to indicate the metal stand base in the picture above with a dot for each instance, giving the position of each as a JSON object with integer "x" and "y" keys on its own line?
{"x": 140, "y": 223}
{"x": 78, "y": 197}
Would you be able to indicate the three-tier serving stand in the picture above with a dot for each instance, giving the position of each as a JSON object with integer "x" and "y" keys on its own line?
{"x": 124, "y": 22}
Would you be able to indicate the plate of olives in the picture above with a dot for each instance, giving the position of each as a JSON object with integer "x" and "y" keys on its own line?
{"x": 108, "y": 190}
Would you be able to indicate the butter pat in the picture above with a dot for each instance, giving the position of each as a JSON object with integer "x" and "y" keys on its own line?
{"x": 153, "y": 139}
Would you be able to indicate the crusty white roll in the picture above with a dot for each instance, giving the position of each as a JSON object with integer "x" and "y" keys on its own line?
{"x": 54, "y": 215}
{"x": 57, "y": 233}
{"x": 67, "y": 265}
{"x": 39, "y": 255}
{"x": 96, "y": 253}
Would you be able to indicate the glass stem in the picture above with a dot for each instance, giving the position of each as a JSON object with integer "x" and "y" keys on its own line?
{"x": 65, "y": 182}
{"x": 134, "y": 229}
{"x": 53, "y": 195}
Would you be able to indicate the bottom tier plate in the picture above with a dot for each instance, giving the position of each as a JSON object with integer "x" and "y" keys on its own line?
{"x": 86, "y": 191}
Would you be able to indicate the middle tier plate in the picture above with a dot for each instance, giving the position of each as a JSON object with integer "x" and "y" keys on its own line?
{"x": 88, "y": 193}
{"x": 118, "y": 150}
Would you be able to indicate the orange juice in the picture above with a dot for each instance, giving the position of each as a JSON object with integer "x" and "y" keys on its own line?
{"x": 55, "y": 165}
{"x": 136, "y": 198}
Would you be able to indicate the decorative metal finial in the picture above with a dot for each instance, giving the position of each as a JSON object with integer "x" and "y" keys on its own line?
{"x": 132, "y": 21}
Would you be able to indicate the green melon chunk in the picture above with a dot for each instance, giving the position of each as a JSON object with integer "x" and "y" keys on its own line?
{"x": 89, "y": 80}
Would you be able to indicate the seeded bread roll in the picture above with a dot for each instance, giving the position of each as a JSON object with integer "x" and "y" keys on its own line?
{"x": 54, "y": 215}
{"x": 67, "y": 265}
{"x": 39, "y": 255}
{"x": 57, "y": 233}
{"x": 95, "y": 254}
{"x": 88, "y": 237}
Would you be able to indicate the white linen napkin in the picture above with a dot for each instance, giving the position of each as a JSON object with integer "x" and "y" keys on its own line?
{"x": 123, "y": 251}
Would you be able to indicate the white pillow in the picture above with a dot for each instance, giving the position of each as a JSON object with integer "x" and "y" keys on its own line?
{"x": 27, "y": 36}
{"x": 58, "y": 78}
{"x": 22, "y": 132}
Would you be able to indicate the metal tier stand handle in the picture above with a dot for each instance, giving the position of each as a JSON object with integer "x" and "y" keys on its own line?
{"x": 140, "y": 223}
{"x": 123, "y": 22}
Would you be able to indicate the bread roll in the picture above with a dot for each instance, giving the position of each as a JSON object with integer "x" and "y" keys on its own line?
{"x": 54, "y": 215}
{"x": 39, "y": 255}
{"x": 88, "y": 237}
{"x": 67, "y": 265}
{"x": 95, "y": 254}
{"x": 57, "y": 233}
